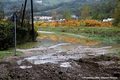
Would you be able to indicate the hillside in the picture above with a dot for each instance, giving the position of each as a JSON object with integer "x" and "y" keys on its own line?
{"x": 47, "y": 7}
{"x": 75, "y": 5}
{"x": 60, "y": 6}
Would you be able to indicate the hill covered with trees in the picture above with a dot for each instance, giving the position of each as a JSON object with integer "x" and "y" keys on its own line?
{"x": 98, "y": 9}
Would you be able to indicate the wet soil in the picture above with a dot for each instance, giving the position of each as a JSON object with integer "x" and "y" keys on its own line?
{"x": 81, "y": 69}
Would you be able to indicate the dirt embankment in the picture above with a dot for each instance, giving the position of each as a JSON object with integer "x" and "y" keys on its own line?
{"x": 82, "y": 69}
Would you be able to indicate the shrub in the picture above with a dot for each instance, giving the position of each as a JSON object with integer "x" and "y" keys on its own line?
{"x": 75, "y": 23}
{"x": 7, "y": 35}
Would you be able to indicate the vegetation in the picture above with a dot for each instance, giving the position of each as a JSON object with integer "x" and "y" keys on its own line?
{"x": 75, "y": 23}
{"x": 7, "y": 35}
{"x": 107, "y": 35}
{"x": 8, "y": 53}
{"x": 117, "y": 14}
{"x": 85, "y": 12}
{"x": 99, "y": 9}
{"x": 1, "y": 11}
{"x": 67, "y": 15}
{"x": 102, "y": 10}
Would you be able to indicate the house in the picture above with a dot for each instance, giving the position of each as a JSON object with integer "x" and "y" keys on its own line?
{"x": 43, "y": 18}
{"x": 74, "y": 17}
{"x": 108, "y": 20}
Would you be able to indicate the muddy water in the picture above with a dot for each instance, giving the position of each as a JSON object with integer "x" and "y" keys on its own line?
{"x": 68, "y": 38}
{"x": 52, "y": 55}
{"x": 58, "y": 48}
{"x": 50, "y": 38}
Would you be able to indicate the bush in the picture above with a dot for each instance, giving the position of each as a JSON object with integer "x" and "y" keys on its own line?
{"x": 92, "y": 23}
{"x": 7, "y": 35}
{"x": 117, "y": 14}
{"x": 75, "y": 23}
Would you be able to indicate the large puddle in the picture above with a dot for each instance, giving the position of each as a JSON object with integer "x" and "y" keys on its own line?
{"x": 59, "y": 56}
{"x": 50, "y": 38}
{"x": 67, "y": 37}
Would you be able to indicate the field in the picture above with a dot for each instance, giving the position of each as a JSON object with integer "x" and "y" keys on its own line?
{"x": 108, "y": 35}
{"x": 92, "y": 29}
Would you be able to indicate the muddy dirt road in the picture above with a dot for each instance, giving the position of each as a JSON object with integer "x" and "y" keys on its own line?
{"x": 62, "y": 60}
{"x": 100, "y": 68}
{"x": 80, "y": 63}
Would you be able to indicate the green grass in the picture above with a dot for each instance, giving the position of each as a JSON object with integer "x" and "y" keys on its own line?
{"x": 108, "y": 35}
{"x": 115, "y": 52}
{"x": 7, "y": 53}
{"x": 28, "y": 45}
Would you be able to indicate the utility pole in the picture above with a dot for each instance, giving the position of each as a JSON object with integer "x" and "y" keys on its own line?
{"x": 33, "y": 32}
{"x": 15, "y": 26}
{"x": 23, "y": 13}
{"x": 32, "y": 19}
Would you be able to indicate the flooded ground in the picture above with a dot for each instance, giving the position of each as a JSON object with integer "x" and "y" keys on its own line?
{"x": 51, "y": 55}
{"x": 94, "y": 68}
{"x": 47, "y": 39}
{"x": 63, "y": 56}
{"x": 57, "y": 48}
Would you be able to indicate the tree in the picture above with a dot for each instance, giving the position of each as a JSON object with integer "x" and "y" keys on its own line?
{"x": 85, "y": 12}
{"x": 103, "y": 9}
{"x": 54, "y": 14}
{"x": 1, "y": 11}
{"x": 67, "y": 14}
{"x": 117, "y": 14}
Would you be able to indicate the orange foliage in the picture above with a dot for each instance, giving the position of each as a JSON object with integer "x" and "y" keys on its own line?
{"x": 92, "y": 23}
{"x": 75, "y": 23}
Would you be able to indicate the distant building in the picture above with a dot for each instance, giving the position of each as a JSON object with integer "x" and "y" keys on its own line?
{"x": 74, "y": 17}
{"x": 42, "y": 18}
{"x": 108, "y": 20}
{"x": 61, "y": 20}
{"x": 39, "y": 1}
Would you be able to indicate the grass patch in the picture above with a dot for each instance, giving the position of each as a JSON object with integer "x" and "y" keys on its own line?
{"x": 7, "y": 53}
{"x": 108, "y": 35}
{"x": 28, "y": 45}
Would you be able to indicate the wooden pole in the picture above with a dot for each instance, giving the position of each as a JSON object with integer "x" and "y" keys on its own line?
{"x": 15, "y": 23}
{"x": 23, "y": 14}
{"x": 33, "y": 33}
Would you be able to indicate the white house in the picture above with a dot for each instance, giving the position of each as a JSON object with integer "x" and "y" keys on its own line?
{"x": 42, "y": 18}
{"x": 108, "y": 20}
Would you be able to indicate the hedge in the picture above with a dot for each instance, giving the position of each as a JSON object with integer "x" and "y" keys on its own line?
{"x": 7, "y": 35}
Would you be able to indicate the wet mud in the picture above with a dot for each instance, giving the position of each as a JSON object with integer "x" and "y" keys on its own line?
{"x": 82, "y": 69}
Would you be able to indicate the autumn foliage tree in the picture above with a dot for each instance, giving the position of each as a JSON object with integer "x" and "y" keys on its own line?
{"x": 117, "y": 14}
{"x": 1, "y": 11}
{"x": 67, "y": 15}
{"x": 85, "y": 12}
